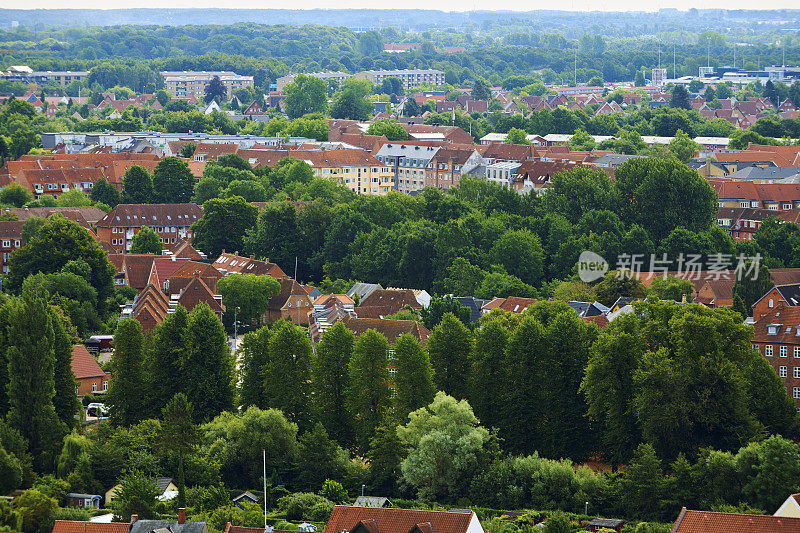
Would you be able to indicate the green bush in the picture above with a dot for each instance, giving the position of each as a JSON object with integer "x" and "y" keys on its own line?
{"x": 298, "y": 506}
{"x": 321, "y": 511}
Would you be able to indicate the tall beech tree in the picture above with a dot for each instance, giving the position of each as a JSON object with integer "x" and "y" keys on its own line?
{"x": 368, "y": 392}
{"x": 127, "y": 388}
{"x": 414, "y": 377}
{"x": 329, "y": 372}
{"x": 449, "y": 346}
{"x": 288, "y": 373}
{"x": 31, "y": 385}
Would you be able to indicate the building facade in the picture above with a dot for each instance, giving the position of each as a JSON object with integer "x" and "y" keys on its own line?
{"x": 172, "y": 223}
{"x": 409, "y": 78}
{"x": 183, "y": 83}
{"x": 776, "y": 335}
{"x": 407, "y": 163}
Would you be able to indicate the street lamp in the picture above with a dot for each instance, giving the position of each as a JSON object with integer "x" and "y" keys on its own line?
{"x": 362, "y": 490}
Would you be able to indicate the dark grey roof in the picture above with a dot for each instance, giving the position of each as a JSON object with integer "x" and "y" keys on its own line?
{"x": 772, "y": 173}
{"x": 588, "y": 308}
{"x": 163, "y": 482}
{"x": 791, "y": 293}
{"x": 167, "y": 526}
{"x": 614, "y": 160}
{"x": 473, "y": 304}
{"x": 363, "y": 290}
{"x": 79, "y": 495}
{"x": 606, "y": 522}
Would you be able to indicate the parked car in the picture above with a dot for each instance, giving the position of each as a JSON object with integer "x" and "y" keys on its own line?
{"x": 97, "y": 409}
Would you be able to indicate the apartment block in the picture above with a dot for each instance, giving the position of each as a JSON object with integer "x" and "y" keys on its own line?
{"x": 184, "y": 83}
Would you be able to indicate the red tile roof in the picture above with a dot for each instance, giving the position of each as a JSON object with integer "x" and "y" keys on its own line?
{"x": 391, "y": 520}
{"x": 709, "y": 522}
{"x": 74, "y": 526}
{"x": 83, "y": 364}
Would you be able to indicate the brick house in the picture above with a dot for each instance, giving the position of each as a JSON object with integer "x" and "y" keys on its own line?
{"x": 776, "y": 335}
{"x": 172, "y": 222}
{"x": 90, "y": 378}
{"x": 445, "y": 169}
{"x": 292, "y": 303}
{"x": 787, "y": 295}
{"x": 10, "y": 236}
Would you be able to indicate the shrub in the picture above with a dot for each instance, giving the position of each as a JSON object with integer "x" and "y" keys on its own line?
{"x": 298, "y": 506}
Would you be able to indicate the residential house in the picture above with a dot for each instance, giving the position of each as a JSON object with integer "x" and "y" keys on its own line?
{"x": 212, "y": 151}
{"x": 742, "y": 223}
{"x": 776, "y": 335}
{"x": 90, "y": 378}
{"x": 133, "y": 270}
{"x": 245, "y": 497}
{"x": 86, "y": 501}
{"x": 172, "y": 222}
{"x": 151, "y": 307}
{"x": 10, "y": 239}
{"x": 689, "y": 521}
{"x": 292, "y": 303}
{"x": 446, "y": 167}
{"x": 786, "y": 295}
{"x": 512, "y": 304}
{"x": 346, "y": 519}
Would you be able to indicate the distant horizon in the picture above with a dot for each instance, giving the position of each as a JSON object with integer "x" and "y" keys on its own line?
{"x": 515, "y": 6}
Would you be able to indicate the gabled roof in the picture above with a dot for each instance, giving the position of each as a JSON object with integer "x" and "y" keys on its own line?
{"x": 83, "y": 364}
{"x": 391, "y": 520}
{"x": 788, "y": 321}
{"x": 709, "y": 522}
{"x": 197, "y": 292}
{"x": 171, "y": 526}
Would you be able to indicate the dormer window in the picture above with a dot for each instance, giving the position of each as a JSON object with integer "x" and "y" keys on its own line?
{"x": 772, "y": 329}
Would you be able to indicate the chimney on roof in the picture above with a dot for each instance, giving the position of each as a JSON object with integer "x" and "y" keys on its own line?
{"x": 134, "y": 518}
{"x": 181, "y": 515}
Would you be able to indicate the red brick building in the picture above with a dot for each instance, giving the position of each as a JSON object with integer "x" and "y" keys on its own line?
{"x": 172, "y": 223}
{"x": 777, "y": 337}
{"x": 90, "y": 378}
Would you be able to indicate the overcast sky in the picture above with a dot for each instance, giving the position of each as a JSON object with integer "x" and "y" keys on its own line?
{"x": 517, "y": 5}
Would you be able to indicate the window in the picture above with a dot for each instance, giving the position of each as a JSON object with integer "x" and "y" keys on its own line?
{"x": 797, "y": 351}
{"x": 6, "y": 243}
{"x": 796, "y": 372}
{"x": 768, "y": 350}
{"x": 105, "y": 385}
{"x": 16, "y": 242}
{"x": 94, "y": 386}
{"x": 782, "y": 371}
{"x": 783, "y": 351}
{"x": 796, "y": 392}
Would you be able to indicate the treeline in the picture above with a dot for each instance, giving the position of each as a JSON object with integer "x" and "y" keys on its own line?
{"x": 503, "y": 433}
{"x": 480, "y": 239}
{"x": 242, "y": 47}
